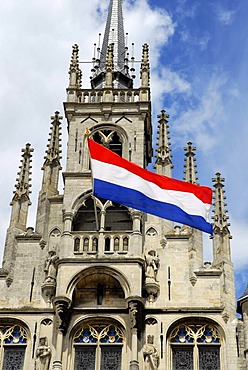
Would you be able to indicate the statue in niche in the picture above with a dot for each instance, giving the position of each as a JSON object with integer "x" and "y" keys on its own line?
{"x": 50, "y": 268}
{"x": 54, "y": 239}
{"x": 43, "y": 355}
{"x": 151, "y": 356}
{"x": 144, "y": 77}
{"x": 152, "y": 264}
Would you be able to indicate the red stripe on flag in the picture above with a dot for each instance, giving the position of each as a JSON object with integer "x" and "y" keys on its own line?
{"x": 102, "y": 154}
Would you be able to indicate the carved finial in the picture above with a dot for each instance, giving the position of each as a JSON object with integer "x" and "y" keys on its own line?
{"x": 109, "y": 66}
{"x": 74, "y": 72}
{"x": 163, "y": 162}
{"x": 145, "y": 68}
{"x": 23, "y": 187}
{"x": 220, "y": 218}
{"x": 190, "y": 167}
{"x": 53, "y": 152}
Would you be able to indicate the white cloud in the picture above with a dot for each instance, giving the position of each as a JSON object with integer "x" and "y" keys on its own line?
{"x": 226, "y": 17}
{"x": 157, "y": 27}
{"x": 36, "y": 40}
{"x": 201, "y": 120}
{"x": 165, "y": 81}
{"x": 239, "y": 243}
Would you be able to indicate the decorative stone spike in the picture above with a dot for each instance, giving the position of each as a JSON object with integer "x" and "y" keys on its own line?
{"x": 109, "y": 66}
{"x": 220, "y": 218}
{"x": 23, "y": 187}
{"x": 53, "y": 152}
{"x": 163, "y": 162}
{"x": 190, "y": 167}
{"x": 75, "y": 73}
{"x": 145, "y": 67}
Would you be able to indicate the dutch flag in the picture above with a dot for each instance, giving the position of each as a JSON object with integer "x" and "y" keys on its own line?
{"x": 124, "y": 182}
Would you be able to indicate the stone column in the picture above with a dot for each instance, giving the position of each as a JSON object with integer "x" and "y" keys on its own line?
{"x": 136, "y": 217}
{"x": 135, "y": 314}
{"x": 66, "y": 247}
{"x": 62, "y": 312}
{"x": 135, "y": 245}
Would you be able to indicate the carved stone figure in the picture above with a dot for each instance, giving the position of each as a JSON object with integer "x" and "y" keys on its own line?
{"x": 133, "y": 311}
{"x": 152, "y": 264}
{"x": 151, "y": 356}
{"x": 51, "y": 267}
{"x": 144, "y": 78}
{"x": 43, "y": 355}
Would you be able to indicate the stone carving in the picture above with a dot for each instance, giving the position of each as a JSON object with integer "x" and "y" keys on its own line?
{"x": 133, "y": 310}
{"x": 151, "y": 356}
{"x": 50, "y": 268}
{"x": 152, "y": 264}
{"x": 43, "y": 355}
{"x": 151, "y": 232}
{"x": 46, "y": 322}
{"x": 54, "y": 240}
{"x": 62, "y": 311}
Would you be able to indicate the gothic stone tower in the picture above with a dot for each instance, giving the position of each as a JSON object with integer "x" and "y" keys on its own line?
{"x": 96, "y": 285}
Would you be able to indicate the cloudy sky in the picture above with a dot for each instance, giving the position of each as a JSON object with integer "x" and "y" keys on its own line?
{"x": 198, "y": 56}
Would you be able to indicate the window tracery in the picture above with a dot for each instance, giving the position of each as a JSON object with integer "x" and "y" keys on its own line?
{"x": 13, "y": 339}
{"x": 109, "y": 138}
{"x": 195, "y": 347}
{"x": 98, "y": 346}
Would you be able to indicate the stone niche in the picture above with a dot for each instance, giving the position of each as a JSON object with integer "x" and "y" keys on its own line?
{"x": 98, "y": 289}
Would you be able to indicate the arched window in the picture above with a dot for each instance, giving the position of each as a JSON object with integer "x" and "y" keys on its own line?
{"x": 195, "y": 347}
{"x": 118, "y": 218}
{"x": 116, "y": 244}
{"x": 125, "y": 244}
{"x": 110, "y": 139}
{"x": 13, "y": 339}
{"x": 107, "y": 244}
{"x": 76, "y": 244}
{"x": 95, "y": 244}
{"x": 86, "y": 244}
{"x": 85, "y": 219}
{"x": 98, "y": 346}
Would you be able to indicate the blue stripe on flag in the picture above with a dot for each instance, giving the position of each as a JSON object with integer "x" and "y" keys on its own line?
{"x": 137, "y": 200}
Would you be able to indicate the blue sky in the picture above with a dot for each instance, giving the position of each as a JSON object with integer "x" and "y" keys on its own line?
{"x": 198, "y": 56}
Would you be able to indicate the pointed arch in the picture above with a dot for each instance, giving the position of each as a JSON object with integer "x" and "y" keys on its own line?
{"x": 195, "y": 342}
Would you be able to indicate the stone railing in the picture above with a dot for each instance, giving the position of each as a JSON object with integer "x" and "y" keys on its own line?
{"x": 112, "y": 95}
{"x": 101, "y": 243}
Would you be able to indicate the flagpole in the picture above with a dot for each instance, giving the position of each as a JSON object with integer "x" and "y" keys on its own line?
{"x": 87, "y": 133}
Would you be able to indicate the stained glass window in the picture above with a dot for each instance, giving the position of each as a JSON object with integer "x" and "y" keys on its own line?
{"x": 98, "y": 347}
{"x": 195, "y": 347}
{"x": 209, "y": 358}
{"x": 13, "y": 358}
{"x": 13, "y": 338}
{"x": 110, "y": 358}
{"x": 85, "y": 358}
{"x": 182, "y": 358}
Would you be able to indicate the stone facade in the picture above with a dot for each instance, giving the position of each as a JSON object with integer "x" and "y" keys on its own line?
{"x": 100, "y": 286}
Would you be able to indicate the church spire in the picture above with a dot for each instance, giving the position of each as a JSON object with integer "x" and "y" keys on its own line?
{"x": 21, "y": 200}
{"x": 114, "y": 35}
{"x": 51, "y": 168}
{"x": 222, "y": 236}
{"x": 190, "y": 167}
{"x": 163, "y": 162}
